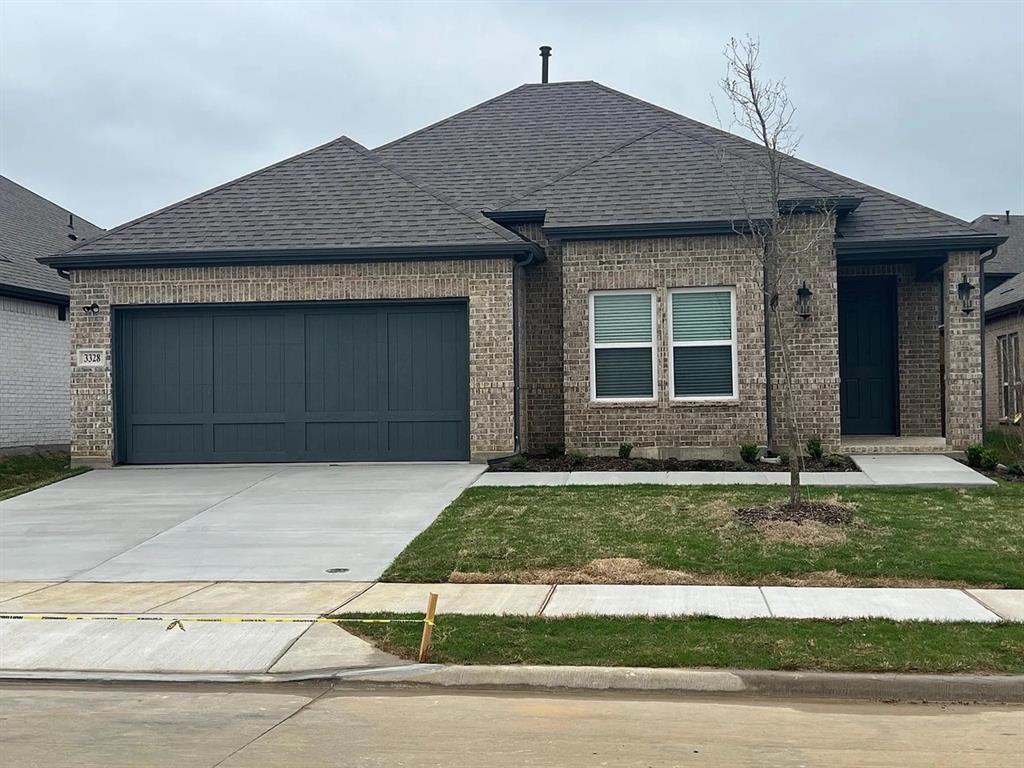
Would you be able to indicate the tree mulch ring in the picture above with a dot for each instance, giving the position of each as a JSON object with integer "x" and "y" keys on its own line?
{"x": 569, "y": 463}
{"x": 825, "y": 512}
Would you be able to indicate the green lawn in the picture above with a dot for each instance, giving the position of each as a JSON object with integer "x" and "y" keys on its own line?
{"x": 22, "y": 473}
{"x": 969, "y": 536}
{"x": 854, "y": 646}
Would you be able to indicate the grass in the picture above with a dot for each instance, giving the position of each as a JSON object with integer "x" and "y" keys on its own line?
{"x": 22, "y": 473}
{"x": 966, "y": 536}
{"x": 852, "y": 646}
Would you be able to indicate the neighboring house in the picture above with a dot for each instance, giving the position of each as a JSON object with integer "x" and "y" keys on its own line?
{"x": 34, "y": 369}
{"x": 557, "y": 265}
{"x": 1004, "y": 324}
{"x": 1009, "y": 260}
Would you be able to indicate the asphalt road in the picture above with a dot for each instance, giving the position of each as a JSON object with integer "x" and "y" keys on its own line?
{"x": 317, "y": 725}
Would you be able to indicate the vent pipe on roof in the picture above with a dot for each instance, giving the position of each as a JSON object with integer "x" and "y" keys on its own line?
{"x": 545, "y": 54}
{"x": 1007, "y": 217}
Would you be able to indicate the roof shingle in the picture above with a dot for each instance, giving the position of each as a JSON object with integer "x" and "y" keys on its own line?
{"x": 1010, "y": 258}
{"x": 32, "y": 226}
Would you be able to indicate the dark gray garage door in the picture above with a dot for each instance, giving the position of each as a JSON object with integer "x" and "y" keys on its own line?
{"x": 353, "y": 382}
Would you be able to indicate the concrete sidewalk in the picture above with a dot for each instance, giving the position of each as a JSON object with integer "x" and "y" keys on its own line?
{"x": 100, "y": 646}
{"x": 912, "y": 470}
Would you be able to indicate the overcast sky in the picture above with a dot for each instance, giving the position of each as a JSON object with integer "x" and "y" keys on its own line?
{"x": 115, "y": 109}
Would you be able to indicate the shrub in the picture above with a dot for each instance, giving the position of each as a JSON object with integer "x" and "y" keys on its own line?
{"x": 576, "y": 458}
{"x": 554, "y": 450}
{"x": 814, "y": 449}
{"x": 642, "y": 465}
{"x": 624, "y": 450}
{"x": 980, "y": 457}
{"x": 749, "y": 452}
{"x": 516, "y": 462}
{"x": 835, "y": 460}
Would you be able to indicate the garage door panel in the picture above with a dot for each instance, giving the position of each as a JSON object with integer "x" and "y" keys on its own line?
{"x": 249, "y": 363}
{"x": 341, "y": 362}
{"x": 293, "y": 383}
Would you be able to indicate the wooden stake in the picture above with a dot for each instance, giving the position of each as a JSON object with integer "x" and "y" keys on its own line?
{"x": 428, "y": 628}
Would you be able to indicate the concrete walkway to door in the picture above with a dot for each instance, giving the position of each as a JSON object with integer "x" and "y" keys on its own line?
{"x": 263, "y": 522}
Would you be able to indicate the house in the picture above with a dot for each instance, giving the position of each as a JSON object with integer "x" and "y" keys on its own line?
{"x": 34, "y": 372}
{"x": 1004, "y": 323}
{"x": 556, "y": 266}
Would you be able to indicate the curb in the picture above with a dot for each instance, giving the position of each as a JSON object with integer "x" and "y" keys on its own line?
{"x": 889, "y": 687}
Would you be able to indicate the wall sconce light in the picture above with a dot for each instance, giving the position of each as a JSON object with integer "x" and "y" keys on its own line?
{"x": 803, "y": 301}
{"x": 92, "y": 309}
{"x": 964, "y": 292}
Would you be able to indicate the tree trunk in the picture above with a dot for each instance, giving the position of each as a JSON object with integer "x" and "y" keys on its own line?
{"x": 789, "y": 413}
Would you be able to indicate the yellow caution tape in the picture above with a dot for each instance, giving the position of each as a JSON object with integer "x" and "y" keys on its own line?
{"x": 179, "y": 622}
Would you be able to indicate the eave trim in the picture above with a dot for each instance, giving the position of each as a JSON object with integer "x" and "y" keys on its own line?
{"x": 250, "y": 257}
{"x": 979, "y": 242}
{"x": 666, "y": 229}
{"x": 32, "y": 294}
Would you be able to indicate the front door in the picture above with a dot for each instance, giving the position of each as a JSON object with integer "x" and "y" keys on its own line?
{"x": 867, "y": 356}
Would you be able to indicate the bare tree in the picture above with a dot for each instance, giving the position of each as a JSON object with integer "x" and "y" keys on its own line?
{"x": 783, "y": 232}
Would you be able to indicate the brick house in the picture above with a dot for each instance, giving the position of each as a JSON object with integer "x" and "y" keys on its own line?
{"x": 1004, "y": 322}
{"x": 35, "y": 404}
{"x": 556, "y": 266}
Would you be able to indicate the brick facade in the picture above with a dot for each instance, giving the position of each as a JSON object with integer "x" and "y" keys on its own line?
{"x": 487, "y": 284}
{"x": 34, "y": 406}
{"x": 543, "y": 393}
{"x": 663, "y": 427}
{"x": 994, "y": 328}
{"x": 814, "y": 341}
{"x": 962, "y": 339}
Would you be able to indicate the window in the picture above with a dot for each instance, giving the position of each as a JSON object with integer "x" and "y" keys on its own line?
{"x": 622, "y": 344}
{"x": 702, "y": 354}
{"x": 1011, "y": 399}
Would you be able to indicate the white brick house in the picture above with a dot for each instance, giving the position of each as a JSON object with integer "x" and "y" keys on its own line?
{"x": 34, "y": 346}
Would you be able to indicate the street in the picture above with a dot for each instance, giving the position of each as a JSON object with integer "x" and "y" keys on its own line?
{"x": 201, "y": 726}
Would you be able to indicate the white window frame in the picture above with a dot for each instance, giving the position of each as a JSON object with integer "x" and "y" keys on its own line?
{"x": 652, "y": 345}
{"x": 672, "y": 344}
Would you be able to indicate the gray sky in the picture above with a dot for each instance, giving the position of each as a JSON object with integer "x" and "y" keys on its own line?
{"x": 115, "y": 109}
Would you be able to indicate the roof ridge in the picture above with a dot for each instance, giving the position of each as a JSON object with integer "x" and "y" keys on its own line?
{"x": 896, "y": 198}
{"x": 448, "y": 119}
{"x": 50, "y": 202}
{"x": 204, "y": 193}
{"x": 478, "y": 219}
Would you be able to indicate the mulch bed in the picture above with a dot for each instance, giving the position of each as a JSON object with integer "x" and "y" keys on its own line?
{"x": 810, "y": 511}
{"x": 565, "y": 463}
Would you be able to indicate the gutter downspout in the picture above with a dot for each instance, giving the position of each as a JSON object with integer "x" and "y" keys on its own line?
{"x": 517, "y": 267}
{"x": 981, "y": 308}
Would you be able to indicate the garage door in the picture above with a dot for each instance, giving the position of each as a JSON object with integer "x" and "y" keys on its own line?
{"x": 353, "y": 382}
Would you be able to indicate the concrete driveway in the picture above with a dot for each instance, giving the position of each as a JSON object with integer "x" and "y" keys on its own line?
{"x": 224, "y": 523}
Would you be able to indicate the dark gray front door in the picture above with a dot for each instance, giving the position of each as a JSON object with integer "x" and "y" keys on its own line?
{"x": 354, "y": 382}
{"x": 867, "y": 356}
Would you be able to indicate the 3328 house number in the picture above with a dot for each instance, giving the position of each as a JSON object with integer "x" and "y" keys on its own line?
{"x": 91, "y": 358}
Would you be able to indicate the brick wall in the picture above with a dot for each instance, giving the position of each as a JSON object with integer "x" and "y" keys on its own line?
{"x": 544, "y": 414}
{"x": 34, "y": 402}
{"x": 919, "y": 315}
{"x": 486, "y": 283}
{"x": 814, "y": 344}
{"x": 1012, "y": 323}
{"x": 963, "y": 355}
{"x": 663, "y": 427}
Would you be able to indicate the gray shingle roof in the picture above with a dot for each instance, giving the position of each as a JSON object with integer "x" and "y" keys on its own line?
{"x": 504, "y": 148}
{"x": 1010, "y": 259}
{"x": 337, "y": 196}
{"x": 664, "y": 176}
{"x": 1006, "y": 295}
{"x": 32, "y": 226}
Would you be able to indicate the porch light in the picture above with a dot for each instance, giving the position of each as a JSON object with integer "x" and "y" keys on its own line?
{"x": 803, "y": 301}
{"x": 964, "y": 291}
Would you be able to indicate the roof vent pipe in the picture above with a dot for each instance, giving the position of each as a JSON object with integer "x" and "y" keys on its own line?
{"x": 545, "y": 54}
{"x": 1007, "y": 213}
